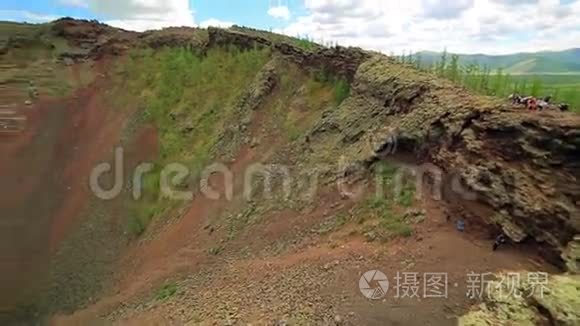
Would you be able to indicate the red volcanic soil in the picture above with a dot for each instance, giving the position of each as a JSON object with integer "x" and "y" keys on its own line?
{"x": 45, "y": 171}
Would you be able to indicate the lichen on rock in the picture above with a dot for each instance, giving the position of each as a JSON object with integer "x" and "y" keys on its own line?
{"x": 571, "y": 255}
{"x": 558, "y": 303}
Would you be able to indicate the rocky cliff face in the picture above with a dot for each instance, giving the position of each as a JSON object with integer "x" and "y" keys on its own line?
{"x": 338, "y": 60}
{"x": 523, "y": 167}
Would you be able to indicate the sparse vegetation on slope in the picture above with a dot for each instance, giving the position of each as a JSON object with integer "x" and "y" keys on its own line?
{"x": 193, "y": 100}
{"x": 189, "y": 98}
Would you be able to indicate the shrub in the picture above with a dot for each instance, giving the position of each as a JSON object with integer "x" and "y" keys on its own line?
{"x": 214, "y": 251}
{"x": 136, "y": 226}
{"x": 341, "y": 91}
{"x": 406, "y": 197}
{"x": 398, "y": 229}
{"x": 341, "y": 86}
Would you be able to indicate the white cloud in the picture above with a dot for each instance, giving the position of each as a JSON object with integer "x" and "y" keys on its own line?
{"x": 215, "y": 23}
{"x": 280, "y": 12}
{"x": 74, "y": 3}
{"x": 25, "y": 16}
{"x": 467, "y": 26}
{"x": 140, "y": 15}
{"x": 445, "y": 9}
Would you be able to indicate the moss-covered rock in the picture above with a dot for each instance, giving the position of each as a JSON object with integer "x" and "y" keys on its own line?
{"x": 561, "y": 300}
{"x": 572, "y": 255}
{"x": 558, "y": 303}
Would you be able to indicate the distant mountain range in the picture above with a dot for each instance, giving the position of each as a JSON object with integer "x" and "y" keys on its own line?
{"x": 547, "y": 62}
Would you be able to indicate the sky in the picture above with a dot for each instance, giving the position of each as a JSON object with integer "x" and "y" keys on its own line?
{"x": 390, "y": 26}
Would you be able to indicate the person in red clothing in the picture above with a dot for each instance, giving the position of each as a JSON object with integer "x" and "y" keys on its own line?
{"x": 532, "y": 104}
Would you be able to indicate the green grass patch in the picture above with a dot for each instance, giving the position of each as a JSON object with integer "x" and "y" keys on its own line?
{"x": 341, "y": 91}
{"x": 500, "y": 83}
{"x": 214, "y": 251}
{"x": 189, "y": 98}
{"x": 299, "y": 101}
{"x": 303, "y": 97}
{"x": 386, "y": 176}
{"x": 294, "y": 133}
{"x": 306, "y": 44}
{"x": 385, "y": 171}
{"x": 150, "y": 205}
{"x": 136, "y": 225}
{"x": 340, "y": 86}
{"x": 397, "y": 228}
{"x": 390, "y": 224}
{"x": 142, "y": 213}
{"x": 407, "y": 196}
{"x": 384, "y": 207}
{"x": 166, "y": 291}
{"x": 238, "y": 222}
{"x": 378, "y": 204}
{"x": 333, "y": 223}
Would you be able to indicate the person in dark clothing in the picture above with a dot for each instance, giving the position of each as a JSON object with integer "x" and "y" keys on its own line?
{"x": 499, "y": 240}
{"x": 460, "y": 225}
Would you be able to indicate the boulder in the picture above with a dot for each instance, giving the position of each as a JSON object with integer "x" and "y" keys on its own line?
{"x": 571, "y": 255}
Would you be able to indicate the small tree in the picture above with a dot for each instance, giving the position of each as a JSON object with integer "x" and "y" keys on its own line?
{"x": 484, "y": 80}
{"x": 498, "y": 82}
{"x": 418, "y": 59}
{"x": 453, "y": 69}
{"x": 471, "y": 76}
{"x": 442, "y": 63}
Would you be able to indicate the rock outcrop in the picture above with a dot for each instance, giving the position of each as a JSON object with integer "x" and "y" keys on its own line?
{"x": 524, "y": 166}
{"x": 571, "y": 255}
{"x": 340, "y": 61}
{"x": 556, "y": 302}
{"x": 91, "y": 39}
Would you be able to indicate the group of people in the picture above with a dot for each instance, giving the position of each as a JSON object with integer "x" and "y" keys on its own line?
{"x": 537, "y": 104}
